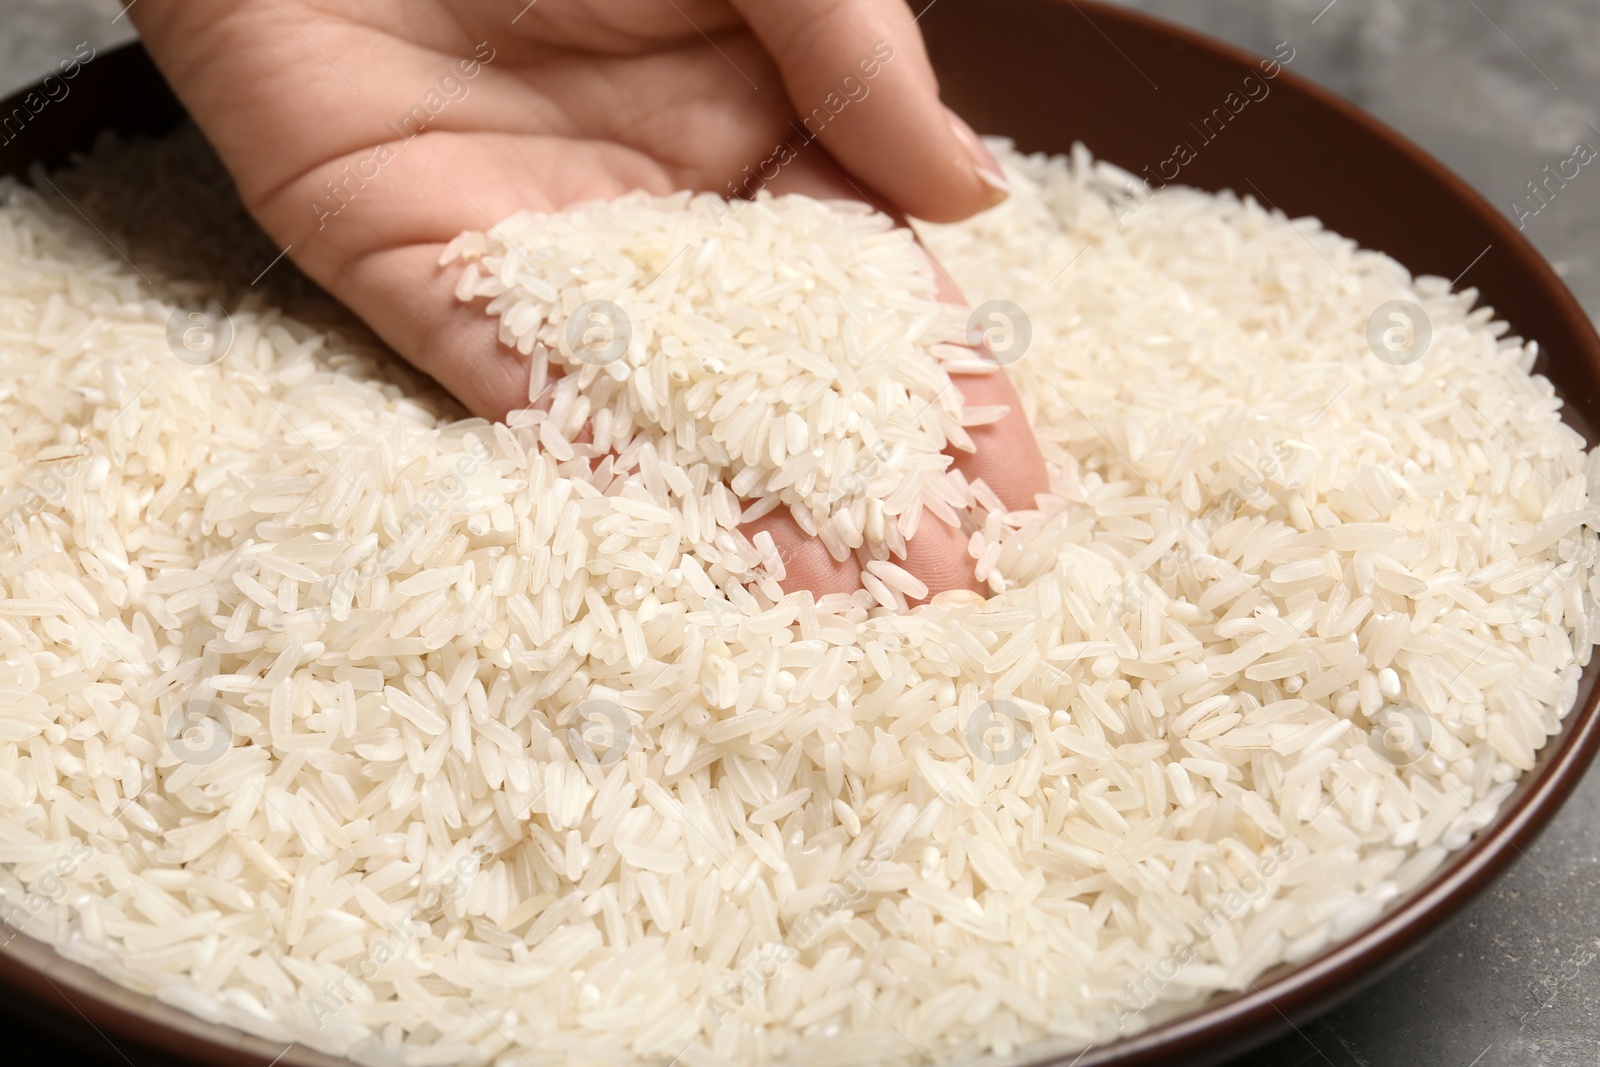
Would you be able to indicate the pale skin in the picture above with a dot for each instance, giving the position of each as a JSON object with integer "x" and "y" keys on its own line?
{"x": 577, "y": 100}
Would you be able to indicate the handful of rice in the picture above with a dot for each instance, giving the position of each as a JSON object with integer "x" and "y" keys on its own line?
{"x": 792, "y": 348}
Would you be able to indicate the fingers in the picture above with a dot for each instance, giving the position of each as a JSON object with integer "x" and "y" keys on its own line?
{"x": 455, "y": 343}
{"x": 860, "y": 82}
{"x": 937, "y": 556}
{"x": 1005, "y": 453}
{"x": 807, "y": 563}
{"x": 377, "y": 249}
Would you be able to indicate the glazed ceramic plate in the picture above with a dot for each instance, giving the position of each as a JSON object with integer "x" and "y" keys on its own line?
{"x": 1049, "y": 73}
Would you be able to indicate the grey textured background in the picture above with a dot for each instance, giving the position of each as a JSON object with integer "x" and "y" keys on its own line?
{"x": 1497, "y": 89}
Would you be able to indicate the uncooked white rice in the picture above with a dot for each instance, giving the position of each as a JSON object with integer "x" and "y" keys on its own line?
{"x": 527, "y": 759}
{"x": 793, "y": 349}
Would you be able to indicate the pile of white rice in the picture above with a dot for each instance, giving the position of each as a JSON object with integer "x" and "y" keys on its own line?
{"x": 431, "y": 741}
{"x": 800, "y": 353}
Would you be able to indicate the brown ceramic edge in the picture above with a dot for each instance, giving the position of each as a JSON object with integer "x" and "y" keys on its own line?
{"x": 63, "y": 1001}
{"x": 1274, "y": 1007}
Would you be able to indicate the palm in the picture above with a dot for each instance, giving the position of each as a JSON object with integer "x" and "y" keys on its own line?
{"x": 579, "y": 101}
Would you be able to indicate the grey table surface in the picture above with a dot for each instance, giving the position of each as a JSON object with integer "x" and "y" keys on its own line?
{"x": 1496, "y": 89}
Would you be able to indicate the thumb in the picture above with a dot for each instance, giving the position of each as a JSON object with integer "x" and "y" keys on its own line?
{"x": 860, "y": 82}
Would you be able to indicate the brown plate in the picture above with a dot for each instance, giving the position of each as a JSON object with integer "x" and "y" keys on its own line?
{"x": 1048, "y": 73}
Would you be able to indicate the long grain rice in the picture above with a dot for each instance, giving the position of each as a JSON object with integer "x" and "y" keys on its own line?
{"x": 335, "y": 717}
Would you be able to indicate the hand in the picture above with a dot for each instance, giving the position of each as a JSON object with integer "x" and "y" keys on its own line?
{"x": 365, "y": 134}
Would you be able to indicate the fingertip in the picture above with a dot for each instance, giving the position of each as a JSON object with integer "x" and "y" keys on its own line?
{"x": 860, "y": 82}
{"x": 464, "y": 354}
{"x": 1006, "y": 454}
{"x": 454, "y": 343}
{"x": 938, "y": 557}
{"x": 951, "y": 178}
{"x": 807, "y": 564}
{"x": 985, "y": 168}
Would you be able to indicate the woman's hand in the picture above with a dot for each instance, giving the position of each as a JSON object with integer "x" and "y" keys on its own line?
{"x": 365, "y": 134}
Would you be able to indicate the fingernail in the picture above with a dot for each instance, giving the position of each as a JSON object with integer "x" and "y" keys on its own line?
{"x": 983, "y": 164}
